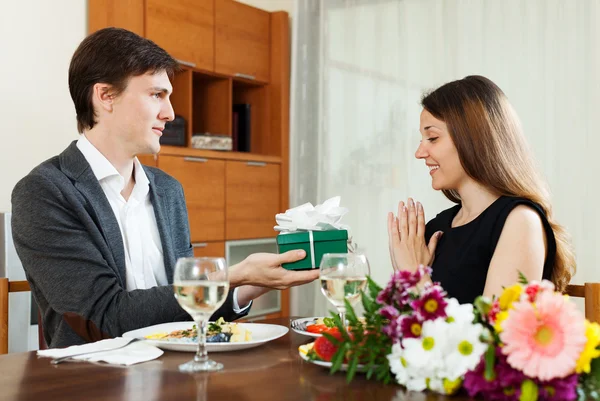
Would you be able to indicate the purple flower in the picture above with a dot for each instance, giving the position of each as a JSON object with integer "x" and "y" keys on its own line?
{"x": 564, "y": 389}
{"x": 431, "y": 304}
{"x": 410, "y": 326}
{"x": 389, "y": 312}
{"x": 385, "y": 296}
{"x": 392, "y": 330}
{"x": 505, "y": 386}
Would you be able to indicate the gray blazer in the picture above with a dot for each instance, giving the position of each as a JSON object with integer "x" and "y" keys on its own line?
{"x": 69, "y": 242}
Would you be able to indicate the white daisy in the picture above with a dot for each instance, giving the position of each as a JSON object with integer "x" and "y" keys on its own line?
{"x": 457, "y": 313}
{"x": 398, "y": 364}
{"x": 425, "y": 355}
{"x": 464, "y": 349}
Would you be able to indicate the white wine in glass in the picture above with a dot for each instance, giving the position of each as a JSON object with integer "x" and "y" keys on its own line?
{"x": 201, "y": 286}
{"x": 343, "y": 276}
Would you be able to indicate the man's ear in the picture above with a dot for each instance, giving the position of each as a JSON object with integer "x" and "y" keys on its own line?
{"x": 104, "y": 96}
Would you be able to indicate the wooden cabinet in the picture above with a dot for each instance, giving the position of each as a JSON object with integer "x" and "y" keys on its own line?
{"x": 252, "y": 199}
{"x": 127, "y": 14}
{"x": 209, "y": 249}
{"x": 148, "y": 160}
{"x": 185, "y": 28}
{"x": 203, "y": 182}
{"x": 242, "y": 40}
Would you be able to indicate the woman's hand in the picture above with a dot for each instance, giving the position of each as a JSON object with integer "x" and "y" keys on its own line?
{"x": 406, "y": 233}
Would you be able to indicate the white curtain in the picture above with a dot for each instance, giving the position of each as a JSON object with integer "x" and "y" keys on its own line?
{"x": 359, "y": 70}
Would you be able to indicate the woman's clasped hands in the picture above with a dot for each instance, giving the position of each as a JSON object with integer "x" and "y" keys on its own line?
{"x": 406, "y": 233}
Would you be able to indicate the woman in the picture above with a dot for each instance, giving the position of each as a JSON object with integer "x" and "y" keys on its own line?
{"x": 502, "y": 224}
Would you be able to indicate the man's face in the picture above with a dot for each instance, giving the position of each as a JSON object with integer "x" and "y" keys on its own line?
{"x": 141, "y": 111}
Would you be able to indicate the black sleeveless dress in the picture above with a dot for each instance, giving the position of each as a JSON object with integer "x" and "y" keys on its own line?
{"x": 464, "y": 253}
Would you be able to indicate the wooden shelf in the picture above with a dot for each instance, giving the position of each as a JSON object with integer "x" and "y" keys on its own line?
{"x": 214, "y": 154}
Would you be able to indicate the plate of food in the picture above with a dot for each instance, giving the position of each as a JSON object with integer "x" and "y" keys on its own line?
{"x": 309, "y": 354}
{"x": 221, "y": 336}
{"x": 311, "y": 326}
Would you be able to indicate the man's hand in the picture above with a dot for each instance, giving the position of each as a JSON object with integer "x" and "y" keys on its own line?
{"x": 264, "y": 270}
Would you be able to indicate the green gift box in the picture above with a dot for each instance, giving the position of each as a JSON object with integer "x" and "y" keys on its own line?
{"x": 322, "y": 242}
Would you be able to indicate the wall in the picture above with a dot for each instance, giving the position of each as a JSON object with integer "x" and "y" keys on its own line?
{"x": 272, "y": 5}
{"x": 38, "y": 118}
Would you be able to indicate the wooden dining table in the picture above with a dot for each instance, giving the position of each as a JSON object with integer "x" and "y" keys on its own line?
{"x": 272, "y": 371}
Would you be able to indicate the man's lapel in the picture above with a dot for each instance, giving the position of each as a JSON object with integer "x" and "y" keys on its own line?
{"x": 74, "y": 164}
{"x": 158, "y": 197}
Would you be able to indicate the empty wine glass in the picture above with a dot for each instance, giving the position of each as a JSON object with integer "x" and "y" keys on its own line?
{"x": 343, "y": 276}
{"x": 201, "y": 286}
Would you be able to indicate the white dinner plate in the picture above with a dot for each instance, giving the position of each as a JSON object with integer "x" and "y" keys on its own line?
{"x": 261, "y": 334}
{"x": 299, "y": 326}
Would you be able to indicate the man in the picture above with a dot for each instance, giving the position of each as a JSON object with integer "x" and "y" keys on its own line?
{"x": 97, "y": 233}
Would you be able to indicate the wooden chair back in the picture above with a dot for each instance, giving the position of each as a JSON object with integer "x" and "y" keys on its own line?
{"x": 591, "y": 293}
{"x": 7, "y": 287}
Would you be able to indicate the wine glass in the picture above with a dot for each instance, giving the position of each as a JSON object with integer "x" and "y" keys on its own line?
{"x": 201, "y": 286}
{"x": 343, "y": 276}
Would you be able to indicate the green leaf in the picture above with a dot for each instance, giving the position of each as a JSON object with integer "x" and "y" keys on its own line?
{"x": 482, "y": 305}
{"x": 374, "y": 289}
{"x": 367, "y": 303}
{"x": 352, "y": 368}
{"x": 490, "y": 360}
{"x": 338, "y": 358}
{"x": 595, "y": 369}
{"x": 529, "y": 391}
{"x": 350, "y": 314}
{"x": 522, "y": 279}
{"x": 329, "y": 322}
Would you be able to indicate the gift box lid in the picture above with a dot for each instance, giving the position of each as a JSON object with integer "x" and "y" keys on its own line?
{"x": 302, "y": 236}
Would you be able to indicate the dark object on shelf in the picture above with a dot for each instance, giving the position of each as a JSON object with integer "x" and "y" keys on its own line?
{"x": 174, "y": 132}
{"x": 241, "y": 127}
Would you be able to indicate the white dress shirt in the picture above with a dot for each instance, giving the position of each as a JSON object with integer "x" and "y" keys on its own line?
{"x": 144, "y": 263}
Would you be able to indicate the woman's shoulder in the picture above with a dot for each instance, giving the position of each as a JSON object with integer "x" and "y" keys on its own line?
{"x": 519, "y": 212}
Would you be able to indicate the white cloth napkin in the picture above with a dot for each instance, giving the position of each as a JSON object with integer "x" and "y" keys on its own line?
{"x": 129, "y": 355}
{"x": 307, "y": 217}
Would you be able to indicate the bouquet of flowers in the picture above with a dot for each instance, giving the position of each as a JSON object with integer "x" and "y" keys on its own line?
{"x": 531, "y": 343}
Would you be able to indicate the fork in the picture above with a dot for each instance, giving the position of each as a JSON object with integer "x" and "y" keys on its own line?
{"x": 65, "y": 358}
{"x": 301, "y": 326}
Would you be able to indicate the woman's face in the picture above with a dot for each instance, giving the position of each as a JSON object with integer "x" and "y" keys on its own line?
{"x": 439, "y": 153}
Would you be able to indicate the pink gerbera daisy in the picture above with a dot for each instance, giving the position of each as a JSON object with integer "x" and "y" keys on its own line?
{"x": 544, "y": 340}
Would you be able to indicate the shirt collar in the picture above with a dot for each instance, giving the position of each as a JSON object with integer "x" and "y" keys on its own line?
{"x": 103, "y": 168}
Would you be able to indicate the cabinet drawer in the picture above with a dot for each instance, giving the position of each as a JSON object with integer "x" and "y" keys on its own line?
{"x": 203, "y": 182}
{"x": 252, "y": 199}
{"x": 184, "y": 28}
{"x": 209, "y": 249}
{"x": 242, "y": 40}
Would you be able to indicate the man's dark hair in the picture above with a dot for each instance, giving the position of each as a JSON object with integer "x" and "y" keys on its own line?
{"x": 112, "y": 56}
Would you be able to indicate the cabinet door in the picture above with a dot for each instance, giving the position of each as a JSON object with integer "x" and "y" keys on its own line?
{"x": 209, "y": 249}
{"x": 203, "y": 182}
{"x": 184, "y": 28}
{"x": 252, "y": 199}
{"x": 127, "y": 14}
{"x": 148, "y": 160}
{"x": 242, "y": 40}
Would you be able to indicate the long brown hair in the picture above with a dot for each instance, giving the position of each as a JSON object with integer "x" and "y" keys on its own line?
{"x": 492, "y": 150}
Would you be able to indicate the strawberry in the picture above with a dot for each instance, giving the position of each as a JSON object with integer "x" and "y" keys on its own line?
{"x": 324, "y": 348}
